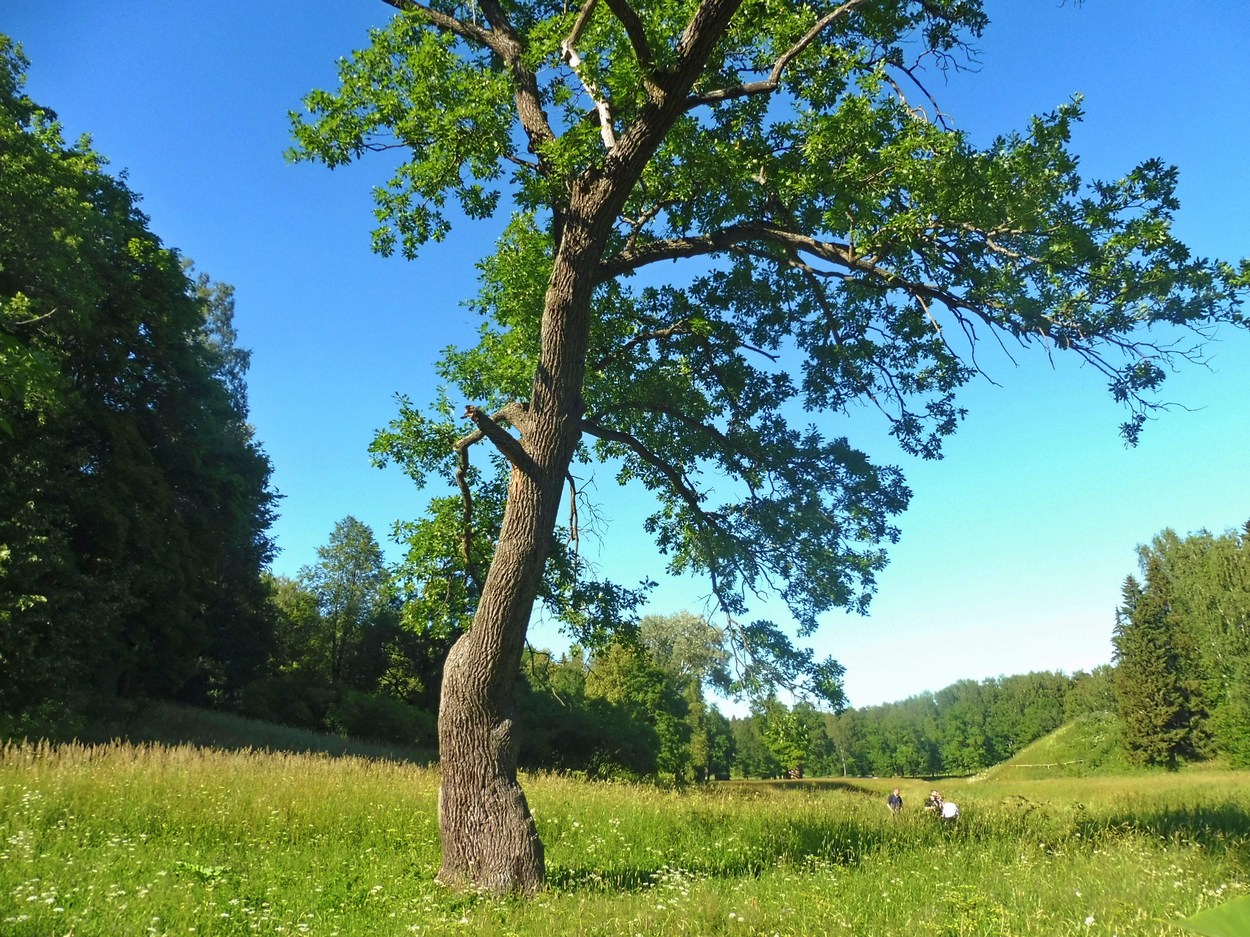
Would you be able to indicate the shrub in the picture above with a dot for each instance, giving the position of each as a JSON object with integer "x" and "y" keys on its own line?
{"x": 361, "y": 715}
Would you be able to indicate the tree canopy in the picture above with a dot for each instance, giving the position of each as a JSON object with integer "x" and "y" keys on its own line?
{"x": 850, "y": 247}
{"x": 134, "y": 502}
{"x": 1182, "y": 644}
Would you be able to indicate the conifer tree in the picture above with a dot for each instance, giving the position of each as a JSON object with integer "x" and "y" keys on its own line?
{"x": 1153, "y": 701}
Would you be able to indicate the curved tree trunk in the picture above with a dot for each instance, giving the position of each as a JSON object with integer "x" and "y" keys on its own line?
{"x": 488, "y": 835}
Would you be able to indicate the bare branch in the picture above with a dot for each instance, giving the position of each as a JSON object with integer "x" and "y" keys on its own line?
{"x": 773, "y": 82}
{"x": 574, "y": 527}
{"x": 466, "y": 529}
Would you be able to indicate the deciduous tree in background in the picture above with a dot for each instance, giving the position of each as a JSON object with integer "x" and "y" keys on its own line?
{"x": 134, "y": 501}
{"x": 846, "y": 246}
{"x": 351, "y": 585}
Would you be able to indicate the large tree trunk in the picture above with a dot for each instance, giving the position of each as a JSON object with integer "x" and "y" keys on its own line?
{"x": 488, "y": 835}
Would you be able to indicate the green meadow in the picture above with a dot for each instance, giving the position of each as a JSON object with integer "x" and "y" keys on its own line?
{"x": 136, "y": 838}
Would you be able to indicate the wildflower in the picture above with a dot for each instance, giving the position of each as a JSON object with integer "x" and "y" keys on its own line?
{"x": 1089, "y": 921}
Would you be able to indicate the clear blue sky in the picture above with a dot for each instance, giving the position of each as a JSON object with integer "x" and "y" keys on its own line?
{"x": 1016, "y": 543}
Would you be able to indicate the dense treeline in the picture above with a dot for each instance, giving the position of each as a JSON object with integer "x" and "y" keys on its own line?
{"x": 134, "y": 502}
{"x": 1182, "y": 650}
{"x": 965, "y": 727}
{"x": 347, "y": 657}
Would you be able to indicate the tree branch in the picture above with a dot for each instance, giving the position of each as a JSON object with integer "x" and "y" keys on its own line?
{"x": 444, "y": 21}
{"x": 632, "y": 24}
{"x": 515, "y": 413}
{"x": 677, "y": 328}
{"x": 730, "y": 238}
{"x": 675, "y": 476}
{"x": 504, "y": 42}
{"x": 667, "y": 95}
{"x": 569, "y": 54}
{"x": 773, "y": 82}
{"x": 466, "y": 529}
{"x": 732, "y": 450}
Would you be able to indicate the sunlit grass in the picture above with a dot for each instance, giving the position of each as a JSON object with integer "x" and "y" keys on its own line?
{"x": 151, "y": 839}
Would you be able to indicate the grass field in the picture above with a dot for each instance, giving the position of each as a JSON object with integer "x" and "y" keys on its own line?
{"x": 145, "y": 838}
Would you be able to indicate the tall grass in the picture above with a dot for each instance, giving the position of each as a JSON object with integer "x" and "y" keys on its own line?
{"x": 127, "y": 838}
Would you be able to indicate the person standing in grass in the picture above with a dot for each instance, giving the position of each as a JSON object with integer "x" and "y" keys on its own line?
{"x": 934, "y": 803}
{"x": 895, "y": 800}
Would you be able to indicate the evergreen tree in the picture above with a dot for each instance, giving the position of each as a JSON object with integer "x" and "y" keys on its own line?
{"x": 1209, "y": 583}
{"x": 1152, "y": 699}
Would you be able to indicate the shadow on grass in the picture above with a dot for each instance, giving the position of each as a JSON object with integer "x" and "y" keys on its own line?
{"x": 169, "y": 724}
{"x": 1221, "y": 829}
{"x": 793, "y": 845}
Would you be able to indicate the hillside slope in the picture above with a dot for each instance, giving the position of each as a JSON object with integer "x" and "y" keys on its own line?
{"x": 1088, "y": 745}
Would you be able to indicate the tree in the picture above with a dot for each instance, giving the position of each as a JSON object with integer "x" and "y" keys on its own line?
{"x": 624, "y": 676}
{"x": 963, "y": 714}
{"x": 787, "y": 736}
{"x": 134, "y": 501}
{"x": 752, "y": 756}
{"x": 350, "y": 583}
{"x": 1153, "y": 698}
{"x": 841, "y": 730}
{"x": 690, "y": 650}
{"x": 1208, "y": 578}
{"x": 1092, "y": 692}
{"x": 845, "y": 244}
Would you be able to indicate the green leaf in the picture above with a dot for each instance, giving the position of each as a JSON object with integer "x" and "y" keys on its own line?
{"x": 1230, "y": 919}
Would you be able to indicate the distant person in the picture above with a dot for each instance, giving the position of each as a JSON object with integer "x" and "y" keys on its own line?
{"x": 895, "y": 800}
{"x": 950, "y": 812}
{"x": 934, "y": 803}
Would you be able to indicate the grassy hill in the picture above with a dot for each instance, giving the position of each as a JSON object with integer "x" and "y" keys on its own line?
{"x": 1088, "y": 745}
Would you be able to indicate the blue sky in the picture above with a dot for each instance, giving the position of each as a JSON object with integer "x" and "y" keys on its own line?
{"x": 1016, "y": 543}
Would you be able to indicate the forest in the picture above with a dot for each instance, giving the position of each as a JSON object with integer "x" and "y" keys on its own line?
{"x": 135, "y": 507}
